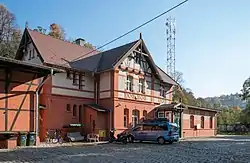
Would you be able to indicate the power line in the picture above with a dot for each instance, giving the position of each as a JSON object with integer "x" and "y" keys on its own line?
{"x": 132, "y": 30}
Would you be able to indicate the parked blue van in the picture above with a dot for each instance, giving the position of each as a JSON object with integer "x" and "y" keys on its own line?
{"x": 156, "y": 131}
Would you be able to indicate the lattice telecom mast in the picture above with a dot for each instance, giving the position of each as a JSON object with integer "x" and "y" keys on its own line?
{"x": 170, "y": 47}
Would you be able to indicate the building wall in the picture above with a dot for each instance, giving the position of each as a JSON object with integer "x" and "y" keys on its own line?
{"x": 19, "y": 101}
{"x": 121, "y": 105}
{"x": 135, "y": 100}
{"x": 105, "y": 85}
{"x": 188, "y": 131}
{"x": 56, "y": 106}
{"x": 61, "y": 85}
{"x": 129, "y": 67}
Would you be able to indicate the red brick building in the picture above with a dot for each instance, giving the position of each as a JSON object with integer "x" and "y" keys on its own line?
{"x": 19, "y": 85}
{"x": 101, "y": 90}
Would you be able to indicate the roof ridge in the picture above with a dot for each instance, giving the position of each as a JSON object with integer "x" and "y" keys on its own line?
{"x": 61, "y": 40}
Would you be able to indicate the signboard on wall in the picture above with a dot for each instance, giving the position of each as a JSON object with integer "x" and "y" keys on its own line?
{"x": 135, "y": 96}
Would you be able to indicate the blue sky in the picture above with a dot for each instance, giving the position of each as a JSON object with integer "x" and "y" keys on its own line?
{"x": 212, "y": 40}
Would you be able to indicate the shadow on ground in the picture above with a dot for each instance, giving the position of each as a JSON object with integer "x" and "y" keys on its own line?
{"x": 222, "y": 147}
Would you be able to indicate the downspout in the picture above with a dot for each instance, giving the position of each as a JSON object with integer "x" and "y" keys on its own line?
{"x": 38, "y": 89}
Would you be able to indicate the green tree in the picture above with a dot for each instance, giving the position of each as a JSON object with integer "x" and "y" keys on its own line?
{"x": 10, "y": 34}
{"x": 246, "y": 90}
{"x": 57, "y": 31}
{"x": 41, "y": 30}
{"x": 89, "y": 45}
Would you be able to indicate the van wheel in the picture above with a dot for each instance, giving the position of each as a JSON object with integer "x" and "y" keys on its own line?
{"x": 170, "y": 142}
{"x": 161, "y": 140}
{"x": 130, "y": 139}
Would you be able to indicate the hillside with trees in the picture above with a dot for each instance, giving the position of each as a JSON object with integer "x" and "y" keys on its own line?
{"x": 227, "y": 101}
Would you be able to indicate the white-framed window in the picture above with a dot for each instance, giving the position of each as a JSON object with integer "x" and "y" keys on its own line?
{"x": 29, "y": 54}
{"x": 75, "y": 79}
{"x": 162, "y": 91}
{"x": 161, "y": 114}
{"x": 126, "y": 113}
{"x": 141, "y": 85}
{"x": 167, "y": 115}
{"x": 129, "y": 83}
{"x": 135, "y": 117}
{"x": 33, "y": 53}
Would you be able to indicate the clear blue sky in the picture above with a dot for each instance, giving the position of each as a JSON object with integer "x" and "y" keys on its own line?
{"x": 213, "y": 36}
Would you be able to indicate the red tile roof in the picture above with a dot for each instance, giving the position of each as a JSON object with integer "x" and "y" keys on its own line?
{"x": 55, "y": 51}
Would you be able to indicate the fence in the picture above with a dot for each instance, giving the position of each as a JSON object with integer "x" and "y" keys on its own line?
{"x": 234, "y": 129}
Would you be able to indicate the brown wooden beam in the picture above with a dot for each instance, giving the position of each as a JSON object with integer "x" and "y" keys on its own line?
{"x": 141, "y": 53}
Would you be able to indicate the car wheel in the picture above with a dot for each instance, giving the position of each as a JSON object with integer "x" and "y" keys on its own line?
{"x": 161, "y": 140}
{"x": 124, "y": 141}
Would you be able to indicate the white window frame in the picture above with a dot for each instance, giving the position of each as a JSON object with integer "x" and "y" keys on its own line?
{"x": 162, "y": 92}
{"x": 129, "y": 84}
{"x": 125, "y": 122}
{"x": 141, "y": 85}
{"x": 166, "y": 114}
{"x": 161, "y": 112}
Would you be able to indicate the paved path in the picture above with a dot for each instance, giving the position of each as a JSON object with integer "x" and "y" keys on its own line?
{"x": 210, "y": 150}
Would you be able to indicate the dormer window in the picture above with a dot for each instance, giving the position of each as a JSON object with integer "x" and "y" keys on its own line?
{"x": 29, "y": 54}
{"x": 33, "y": 53}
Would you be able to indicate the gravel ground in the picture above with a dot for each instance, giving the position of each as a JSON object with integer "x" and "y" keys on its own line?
{"x": 211, "y": 150}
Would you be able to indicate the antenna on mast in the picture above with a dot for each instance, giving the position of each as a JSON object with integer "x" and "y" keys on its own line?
{"x": 170, "y": 60}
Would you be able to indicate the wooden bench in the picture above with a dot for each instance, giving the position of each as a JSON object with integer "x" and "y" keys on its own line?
{"x": 75, "y": 136}
{"x": 93, "y": 137}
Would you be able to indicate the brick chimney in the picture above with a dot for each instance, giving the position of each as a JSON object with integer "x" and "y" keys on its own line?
{"x": 80, "y": 41}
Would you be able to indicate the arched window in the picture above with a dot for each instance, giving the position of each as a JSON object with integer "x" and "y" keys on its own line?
{"x": 145, "y": 114}
{"x": 80, "y": 113}
{"x": 211, "y": 122}
{"x": 74, "y": 110}
{"x": 126, "y": 114}
{"x": 191, "y": 121}
{"x": 202, "y": 121}
{"x": 135, "y": 117}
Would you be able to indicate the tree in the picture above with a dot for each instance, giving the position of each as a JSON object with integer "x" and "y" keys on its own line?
{"x": 10, "y": 34}
{"x": 57, "y": 31}
{"x": 89, "y": 45}
{"x": 41, "y": 30}
{"x": 179, "y": 77}
{"x": 246, "y": 90}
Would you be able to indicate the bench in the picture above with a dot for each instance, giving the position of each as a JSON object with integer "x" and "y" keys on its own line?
{"x": 75, "y": 136}
{"x": 93, "y": 137}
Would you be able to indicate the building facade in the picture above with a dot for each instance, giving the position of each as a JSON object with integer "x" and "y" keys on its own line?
{"x": 19, "y": 83}
{"x": 117, "y": 88}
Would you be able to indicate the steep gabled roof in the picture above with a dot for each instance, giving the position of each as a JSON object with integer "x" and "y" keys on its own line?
{"x": 165, "y": 77}
{"x": 104, "y": 60}
{"x": 61, "y": 53}
{"x": 55, "y": 51}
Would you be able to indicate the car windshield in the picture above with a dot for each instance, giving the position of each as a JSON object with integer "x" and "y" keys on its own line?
{"x": 173, "y": 128}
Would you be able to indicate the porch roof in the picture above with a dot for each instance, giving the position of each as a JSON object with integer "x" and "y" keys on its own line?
{"x": 171, "y": 107}
{"x": 97, "y": 107}
{"x": 25, "y": 66}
